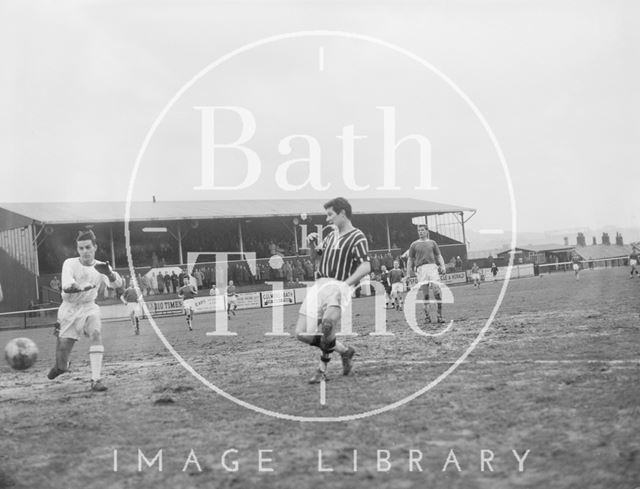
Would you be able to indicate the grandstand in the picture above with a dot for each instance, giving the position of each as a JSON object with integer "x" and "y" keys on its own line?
{"x": 35, "y": 238}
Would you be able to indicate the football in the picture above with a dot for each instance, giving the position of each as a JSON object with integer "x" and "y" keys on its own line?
{"x": 21, "y": 353}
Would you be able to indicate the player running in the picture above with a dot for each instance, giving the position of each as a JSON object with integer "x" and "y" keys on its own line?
{"x": 131, "y": 298}
{"x": 576, "y": 266}
{"x": 187, "y": 293}
{"x": 422, "y": 258}
{"x": 344, "y": 260}
{"x": 232, "y": 299}
{"x": 384, "y": 278}
{"x": 396, "y": 276}
{"x": 79, "y": 314}
{"x": 475, "y": 275}
{"x": 633, "y": 261}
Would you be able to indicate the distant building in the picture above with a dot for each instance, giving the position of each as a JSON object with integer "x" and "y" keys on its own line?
{"x": 539, "y": 254}
{"x": 604, "y": 255}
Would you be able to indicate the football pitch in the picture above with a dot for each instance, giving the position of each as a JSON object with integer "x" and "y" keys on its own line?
{"x": 549, "y": 398}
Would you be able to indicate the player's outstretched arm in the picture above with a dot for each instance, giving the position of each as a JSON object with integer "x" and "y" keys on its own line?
{"x": 74, "y": 288}
{"x": 115, "y": 280}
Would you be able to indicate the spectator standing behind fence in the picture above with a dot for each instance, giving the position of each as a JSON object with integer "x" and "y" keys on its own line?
{"x": 168, "y": 284}
{"x": 475, "y": 275}
{"x": 287, "y": 272}
{"x": 199, "y": 276}
{"x": 175, "y": 281}
{"x": 154, "y": 283}
{"x": 458, "y": 264}
{"x": 55, "y": 284}
{"x": 308, "y": 269}
{"x": 160, "y": 280}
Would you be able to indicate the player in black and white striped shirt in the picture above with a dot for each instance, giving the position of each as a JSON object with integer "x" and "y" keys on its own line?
{"x": 344, "y": 260}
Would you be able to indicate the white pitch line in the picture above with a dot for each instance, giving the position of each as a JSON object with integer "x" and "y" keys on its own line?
{"x": 491, "y": 231}
{"x": 321, "y": 59}
{"x": 323, "y": 392}
{"x": 504, "y": 362}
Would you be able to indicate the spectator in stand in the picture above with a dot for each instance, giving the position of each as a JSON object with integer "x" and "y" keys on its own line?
{"x": 168, "y": 283}
{"x": 55, "y": 284}
{"x": 244, "y": 273}
{"x": 458, "y": 264}
{"x": 181, "y": 276}
{"x": 206, "y": 277}
{"x": 298, "y": 273}
{"x": 375, "y": 263}
{"x": 143, "y": 283}
{"x": 287, "y": 272}
{"x": 140, "y": 282}
{"x": 308, "y": 269}
{"x": 199, "y": 276}
{"x": 154, "y": 283}
{"x": 160, "y": 280}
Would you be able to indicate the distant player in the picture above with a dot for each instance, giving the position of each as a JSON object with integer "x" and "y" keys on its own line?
{"x": 633, "y": 261}
{"x": 131, "y": 298}
{"x": 79, "y": 314}
{"x": 343, "y": 261}
{"x": 576, "y": 266}
{"x": 475, "y": 275}
{"x": 425, "y": 260}
{"x": 384, "y": 278}
{"x": 232, "y": 299}
{"x": 187, "y": 293}
{"x": 396, "y": 276}
{"x": 494, "y": 270}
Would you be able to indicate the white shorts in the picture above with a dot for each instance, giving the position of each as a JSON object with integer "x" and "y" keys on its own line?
{"x": 135, "y": 308}
{"x": 475, "y": 276}
{"x": 633, "y": 262}
{"x": 326, "y": 292}
{"x": 189, "y": 305}
{"x": 397, "y": 288}
{"x": 232, "y": 300}
{"x": 73, "y": 319}
{"x": 428, "y": 273}
{"x": 576, "y": 267}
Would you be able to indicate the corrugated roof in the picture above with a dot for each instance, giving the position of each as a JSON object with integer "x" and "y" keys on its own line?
{"x": 95, "y": 212}
{"x": 541, "y": 248}
{"x": 600, "y": 251}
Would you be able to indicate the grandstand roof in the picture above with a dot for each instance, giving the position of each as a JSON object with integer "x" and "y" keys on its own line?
{"x": 20, "y": 214}
{"x": 600, "y": 251}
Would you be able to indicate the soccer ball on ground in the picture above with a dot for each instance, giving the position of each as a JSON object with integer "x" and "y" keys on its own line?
{"x": 21, "y": 353}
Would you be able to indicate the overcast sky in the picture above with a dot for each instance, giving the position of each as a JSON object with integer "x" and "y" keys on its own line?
{"x": 557, "y": 82}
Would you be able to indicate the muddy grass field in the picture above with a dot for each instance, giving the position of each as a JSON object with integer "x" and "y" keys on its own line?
{"x": 549, "y": 398}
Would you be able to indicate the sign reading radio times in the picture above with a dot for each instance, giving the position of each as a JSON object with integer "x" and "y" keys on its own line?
{"x": 165, "y": 308}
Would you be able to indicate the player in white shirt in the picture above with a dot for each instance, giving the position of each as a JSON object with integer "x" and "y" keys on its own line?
{"x": 79, "y": 314}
